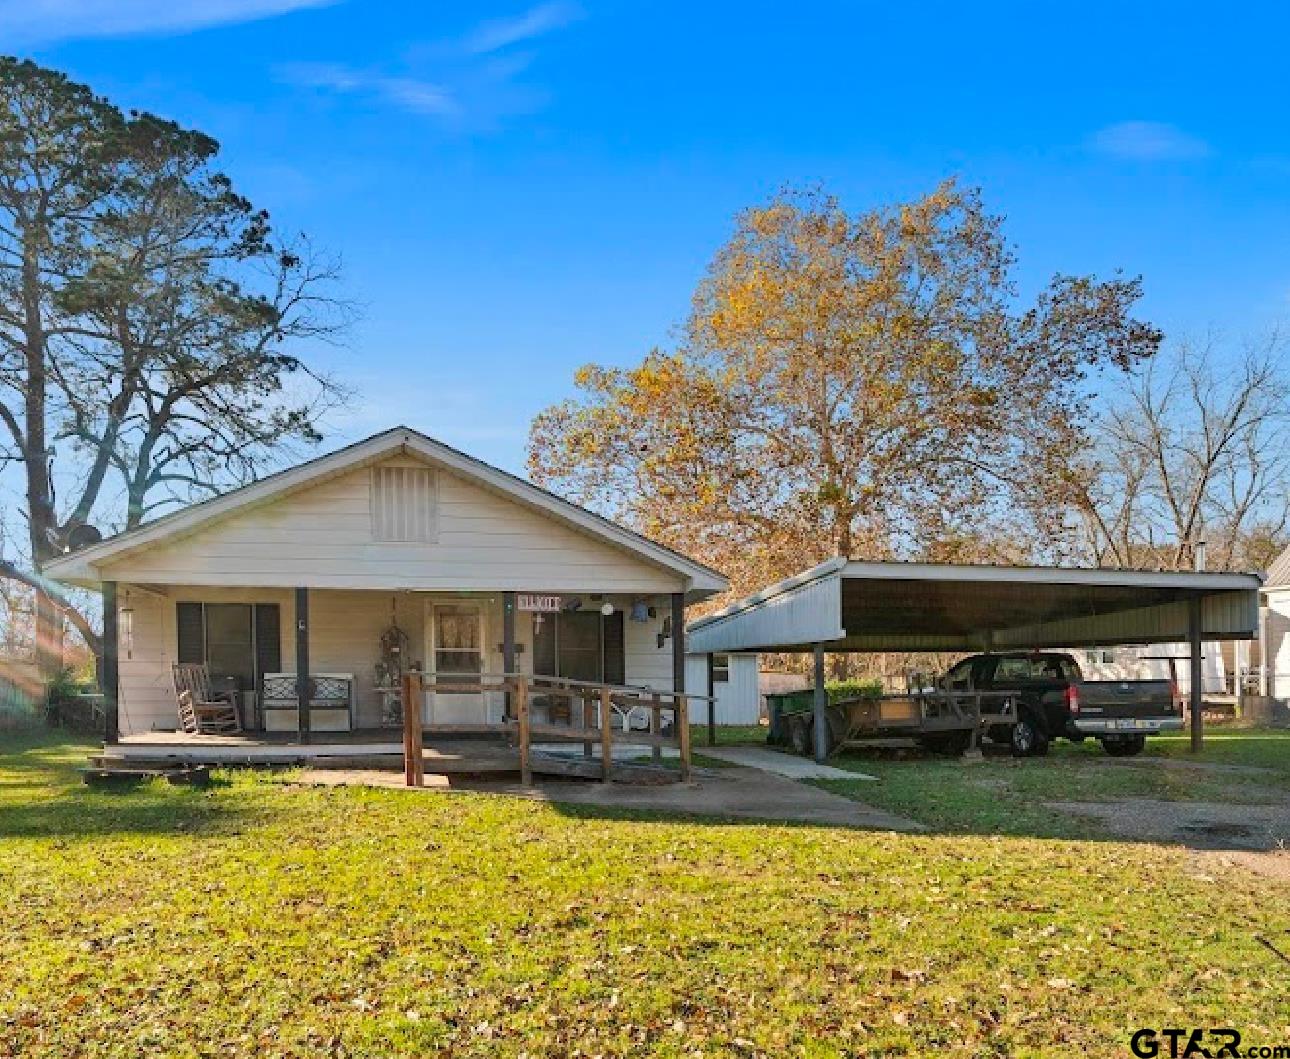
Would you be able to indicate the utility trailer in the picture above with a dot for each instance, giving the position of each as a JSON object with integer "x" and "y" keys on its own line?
{"x": 950, "y": 721}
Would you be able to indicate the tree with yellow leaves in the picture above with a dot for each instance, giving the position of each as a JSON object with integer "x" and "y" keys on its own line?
{"x": 847, "y": 384}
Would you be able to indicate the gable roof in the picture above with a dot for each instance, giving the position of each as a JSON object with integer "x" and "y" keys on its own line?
{"x": 1279, "y": 572}
{"x": 82, "y": 566}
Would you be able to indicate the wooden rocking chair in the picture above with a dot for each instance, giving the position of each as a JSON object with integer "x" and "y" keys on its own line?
{"x": 201, "y": 712}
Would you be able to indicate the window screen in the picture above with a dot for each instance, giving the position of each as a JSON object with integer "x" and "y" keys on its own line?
{"x": 581, "y": 645}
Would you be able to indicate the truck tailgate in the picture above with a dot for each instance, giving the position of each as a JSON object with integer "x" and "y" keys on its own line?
{"x": 1127, "y": 705}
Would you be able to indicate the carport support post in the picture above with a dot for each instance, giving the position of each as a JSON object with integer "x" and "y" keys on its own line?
{"x": 1197, "y": 675}
{"x": 302, "y": 663}
{"x": 820, "y": 709}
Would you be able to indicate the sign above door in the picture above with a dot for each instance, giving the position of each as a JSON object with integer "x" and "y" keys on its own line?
{"x": 538, "y": 604}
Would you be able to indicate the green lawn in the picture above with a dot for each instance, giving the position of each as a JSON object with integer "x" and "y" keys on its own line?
{"x": 1005, "y": 795}
{"x": 1263, "y": 747}
{"x": 266, "y": 918}
{"x": 729, "y": 735}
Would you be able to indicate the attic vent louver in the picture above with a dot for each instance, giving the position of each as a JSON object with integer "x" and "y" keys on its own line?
{"x": 403, "y": 504}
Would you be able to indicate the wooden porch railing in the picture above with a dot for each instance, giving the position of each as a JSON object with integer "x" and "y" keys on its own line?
{"x": 575, "y": 711}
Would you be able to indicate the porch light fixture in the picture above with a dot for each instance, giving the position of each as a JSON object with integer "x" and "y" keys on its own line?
{"x": 607, "y": 609}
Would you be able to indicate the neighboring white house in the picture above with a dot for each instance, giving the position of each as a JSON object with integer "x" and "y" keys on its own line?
{"x": 1274, "y": 636}
{"x": 1152, "y": 662}
{"x": 397, "y": 546}
{"x": 734, "y": 686}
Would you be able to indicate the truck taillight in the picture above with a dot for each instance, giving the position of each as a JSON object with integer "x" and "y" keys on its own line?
{"x": 1072, "y": 699}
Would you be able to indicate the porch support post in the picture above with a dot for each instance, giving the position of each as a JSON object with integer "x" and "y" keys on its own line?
{"x": 679, "y": 653}
{"x": 678, "y": 642}
{"x": 508, "y": 645}
{"x": 110, "y": 671}
{"x": 820, "y": 709}
{"x": 302, "y": 663}
{"x": 1194, "y": 633}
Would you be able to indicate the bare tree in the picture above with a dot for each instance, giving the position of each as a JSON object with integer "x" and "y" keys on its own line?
{"x": 1195, "y": 448}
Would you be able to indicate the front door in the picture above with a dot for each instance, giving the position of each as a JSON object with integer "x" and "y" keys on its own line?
{"x": 456, "y": 655}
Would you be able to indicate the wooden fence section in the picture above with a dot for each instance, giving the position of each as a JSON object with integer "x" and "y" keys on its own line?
{"x": 553, "y": 709}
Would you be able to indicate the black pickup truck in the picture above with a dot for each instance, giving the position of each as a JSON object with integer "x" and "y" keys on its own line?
{"x": 1051, "y": 699}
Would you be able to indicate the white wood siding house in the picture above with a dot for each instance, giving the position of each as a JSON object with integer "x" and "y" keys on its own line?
{"x": 1274, "y": 633}
{"x": 395, "y": 531}
{"x": 1152, "y": 662}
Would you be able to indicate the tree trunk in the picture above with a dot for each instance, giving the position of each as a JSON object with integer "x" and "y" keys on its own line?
{"x": 40, "y": 500}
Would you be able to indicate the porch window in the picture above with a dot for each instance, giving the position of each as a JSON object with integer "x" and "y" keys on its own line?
{"x": 241, "y": 641}
{"x": 581, "y": 645}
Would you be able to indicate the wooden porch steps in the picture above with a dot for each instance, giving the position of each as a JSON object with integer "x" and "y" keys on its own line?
{"x": 108, "y": 775}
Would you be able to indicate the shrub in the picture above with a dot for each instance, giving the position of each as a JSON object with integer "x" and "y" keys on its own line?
{"x": 853, "y": 689}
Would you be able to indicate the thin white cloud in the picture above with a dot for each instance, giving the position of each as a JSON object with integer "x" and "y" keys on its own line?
{"x": 29, "y": 22}
{"x": 1147, "y": 141}
{"x": 475, "y": 84}
{"x": 502, "y": 32}
{"x": 406, "y": 93}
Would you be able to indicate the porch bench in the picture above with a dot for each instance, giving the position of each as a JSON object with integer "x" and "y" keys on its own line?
{"x": 331, "y": 702}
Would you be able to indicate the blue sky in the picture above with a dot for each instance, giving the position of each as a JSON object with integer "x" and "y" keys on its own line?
{"x": 518, "y": 189}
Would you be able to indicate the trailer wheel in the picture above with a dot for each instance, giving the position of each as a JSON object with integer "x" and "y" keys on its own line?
{"x": 1028, "y": 737}
{"x": 800, "y": 731}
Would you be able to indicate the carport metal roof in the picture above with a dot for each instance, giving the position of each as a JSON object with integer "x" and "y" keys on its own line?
{"x": 848, "y": 605}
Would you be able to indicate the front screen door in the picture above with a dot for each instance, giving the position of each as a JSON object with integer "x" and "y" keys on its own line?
{"x": 457, "y": 652}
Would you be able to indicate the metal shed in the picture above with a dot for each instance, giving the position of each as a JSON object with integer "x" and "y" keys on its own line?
{"x": 850, "y": 605}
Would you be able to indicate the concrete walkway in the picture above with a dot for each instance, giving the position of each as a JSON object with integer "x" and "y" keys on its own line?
{"x": 732, "y": 794}
{"x": 781, "y": 764}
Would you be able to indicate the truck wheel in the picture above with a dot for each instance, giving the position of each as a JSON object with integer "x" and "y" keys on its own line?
{"x": 1028, "y": 738}
{"x": 800, "y": 736}
{"x": 1130, "y": 746}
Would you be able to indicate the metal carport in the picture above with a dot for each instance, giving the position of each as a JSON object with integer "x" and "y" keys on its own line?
{"x": 850, "y": 605}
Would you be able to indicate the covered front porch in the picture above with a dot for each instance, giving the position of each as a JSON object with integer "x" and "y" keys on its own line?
{"x": 324, "y": 675}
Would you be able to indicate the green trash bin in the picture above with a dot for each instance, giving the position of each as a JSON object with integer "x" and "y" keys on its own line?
{"x": 779, "y": 705}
